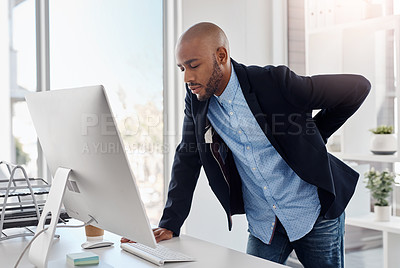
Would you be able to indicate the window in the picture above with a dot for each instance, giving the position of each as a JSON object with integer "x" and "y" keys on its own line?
{"x": 23, "y": 79}
{"x": 118, "y": 44}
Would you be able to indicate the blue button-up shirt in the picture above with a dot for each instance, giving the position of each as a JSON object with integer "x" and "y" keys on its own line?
{"x": 270, "y": 187}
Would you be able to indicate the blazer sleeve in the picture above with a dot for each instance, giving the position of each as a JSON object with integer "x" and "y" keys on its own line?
{"x": 184, "y": 175}
{"x": 338, "y": 96}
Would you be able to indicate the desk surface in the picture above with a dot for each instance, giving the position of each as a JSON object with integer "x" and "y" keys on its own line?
{"x": 205, "y": 253}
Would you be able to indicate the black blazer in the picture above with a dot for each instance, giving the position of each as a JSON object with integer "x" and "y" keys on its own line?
{"x": 282, "y": 103}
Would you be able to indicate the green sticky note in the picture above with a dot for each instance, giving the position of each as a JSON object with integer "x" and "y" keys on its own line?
{"x": 82, "y": 258}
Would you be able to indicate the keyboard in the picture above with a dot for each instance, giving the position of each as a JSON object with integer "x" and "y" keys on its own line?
{"x": 158, "y": 255}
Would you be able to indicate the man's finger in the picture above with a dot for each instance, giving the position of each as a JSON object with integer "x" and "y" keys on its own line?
{"x": 126, "y": 240}
{"x": 157, "y": 231}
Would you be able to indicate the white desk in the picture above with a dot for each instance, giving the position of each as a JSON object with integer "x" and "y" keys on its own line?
{"x": 391, "y": 236}
{"x": 207, "y": 254}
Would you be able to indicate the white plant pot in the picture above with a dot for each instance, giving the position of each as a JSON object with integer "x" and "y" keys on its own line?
{"x": 382, "y": 213}
{"x": 385, "y": 144}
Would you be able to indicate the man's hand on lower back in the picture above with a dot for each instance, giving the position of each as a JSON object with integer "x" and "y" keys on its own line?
{"x": 159, "y": 233}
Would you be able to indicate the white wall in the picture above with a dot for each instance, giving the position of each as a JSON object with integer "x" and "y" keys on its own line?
{"x": 5, "y": 125}
{"x": 245, "y": 22}
{"x": 254, "y": 39}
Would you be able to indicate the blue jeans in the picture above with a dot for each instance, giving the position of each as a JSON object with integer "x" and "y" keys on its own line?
{"x": 323, "y": 246}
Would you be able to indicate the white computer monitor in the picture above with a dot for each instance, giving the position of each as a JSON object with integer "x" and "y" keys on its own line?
{"x": 86, "y": 157}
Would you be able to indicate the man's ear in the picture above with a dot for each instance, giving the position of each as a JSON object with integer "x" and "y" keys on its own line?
{"x": 222, "y": 55}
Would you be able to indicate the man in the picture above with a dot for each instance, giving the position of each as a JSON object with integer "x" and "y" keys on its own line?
{"x": 264, "y": 154}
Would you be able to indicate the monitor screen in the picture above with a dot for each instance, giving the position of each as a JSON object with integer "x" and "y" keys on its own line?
{"x": 76, "y": 130}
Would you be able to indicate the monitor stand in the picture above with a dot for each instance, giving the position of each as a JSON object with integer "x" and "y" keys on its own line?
{"x": 40, "y": 247}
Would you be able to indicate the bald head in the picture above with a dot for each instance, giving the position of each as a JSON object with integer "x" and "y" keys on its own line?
{"x": 207, "y": 34}
{"x": 202, "y": 53}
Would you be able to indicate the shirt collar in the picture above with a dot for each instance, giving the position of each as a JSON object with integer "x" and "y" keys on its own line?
{"x": 228, "y": 95}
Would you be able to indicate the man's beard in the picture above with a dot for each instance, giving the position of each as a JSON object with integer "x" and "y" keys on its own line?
{"x": 213, "y": 83}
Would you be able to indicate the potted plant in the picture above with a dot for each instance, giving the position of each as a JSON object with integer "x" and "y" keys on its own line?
{"x": 380, "y": 185}
{"x": 383, "y": 141}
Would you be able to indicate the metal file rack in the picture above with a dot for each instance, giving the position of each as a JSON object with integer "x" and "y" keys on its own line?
{"x": 22, "y": 201}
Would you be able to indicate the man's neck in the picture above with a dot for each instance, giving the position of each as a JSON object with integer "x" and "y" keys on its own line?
{"x": 225, "y": 80}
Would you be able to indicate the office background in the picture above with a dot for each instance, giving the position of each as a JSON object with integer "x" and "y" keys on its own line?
{"x": 128, "y": 46}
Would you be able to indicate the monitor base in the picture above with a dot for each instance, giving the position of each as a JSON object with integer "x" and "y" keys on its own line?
{"x": 38, "y": 252}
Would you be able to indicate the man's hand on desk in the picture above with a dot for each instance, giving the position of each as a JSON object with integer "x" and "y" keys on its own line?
{"x": 162, "y": 234}
{"x": 159, "y": 233}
